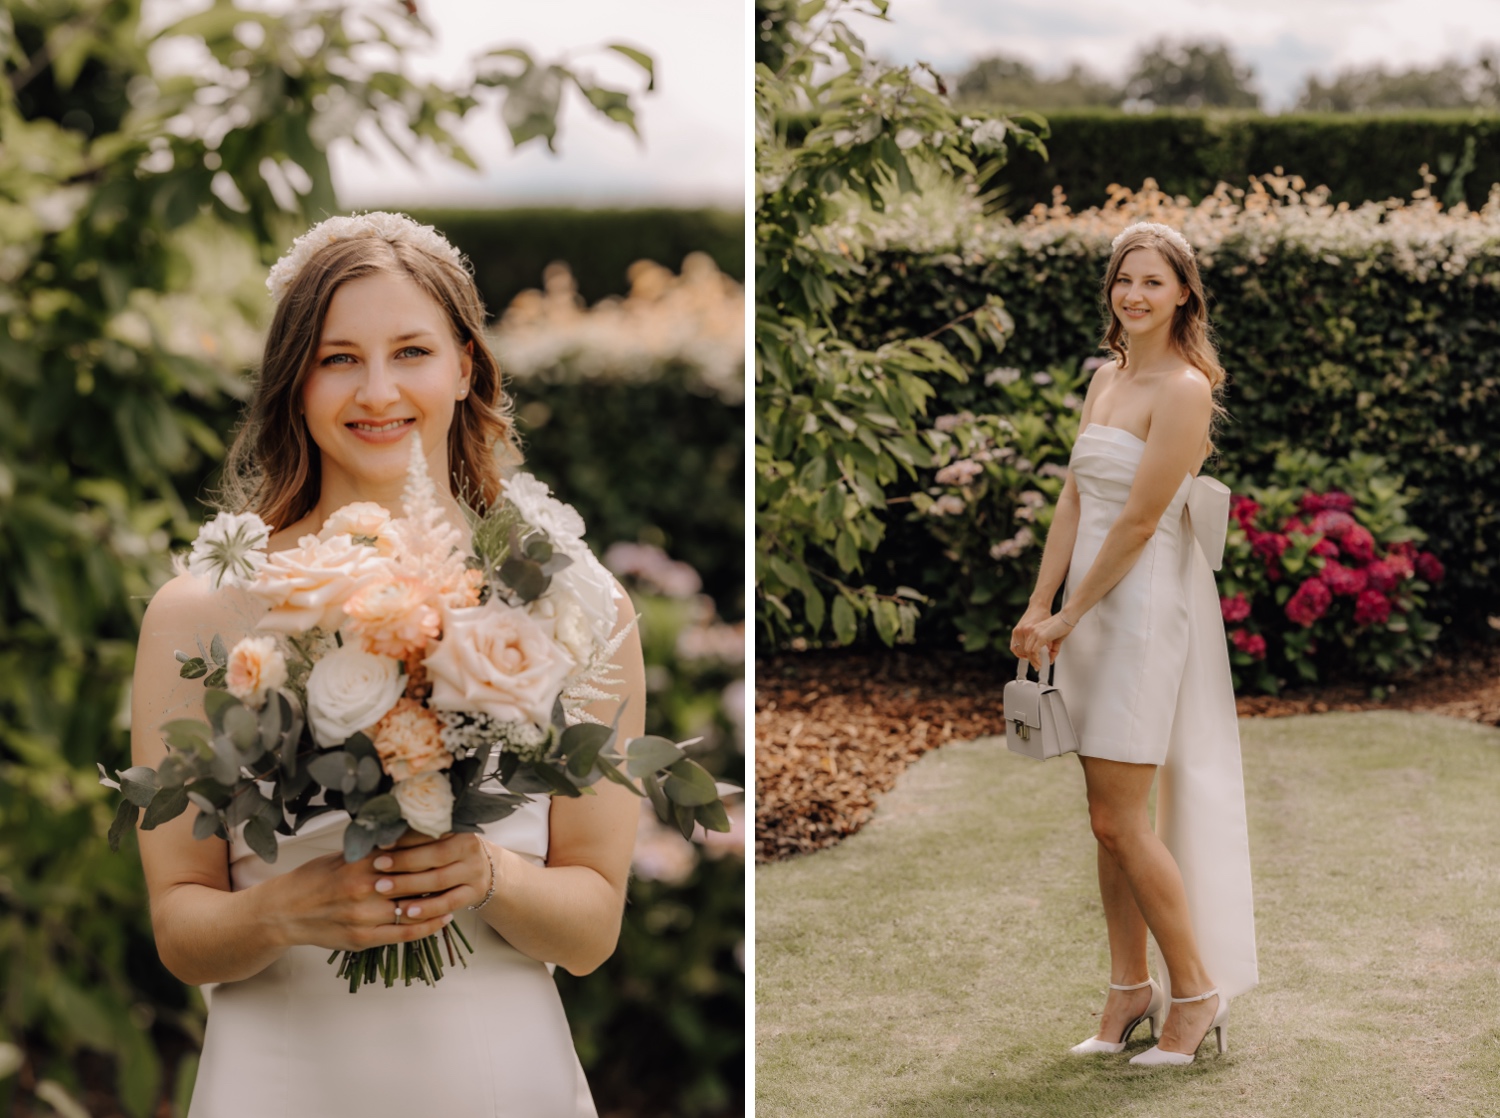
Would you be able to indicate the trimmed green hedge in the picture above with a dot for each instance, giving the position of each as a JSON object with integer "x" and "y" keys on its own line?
{"x": 1391, "y": 347}
{"x": 511, "y": 247}
{"x": 1359, "y": 158}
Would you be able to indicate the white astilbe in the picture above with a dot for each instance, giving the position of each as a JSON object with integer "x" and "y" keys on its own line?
{"x": 428, "y": 545}
{"x": 584, "y": 686}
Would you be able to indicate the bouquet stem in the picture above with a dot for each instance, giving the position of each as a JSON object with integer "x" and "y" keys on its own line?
{"x": 420, "y": 959}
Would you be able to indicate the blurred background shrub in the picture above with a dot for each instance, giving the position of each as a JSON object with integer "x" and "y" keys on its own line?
{"x": 139, "y": 209}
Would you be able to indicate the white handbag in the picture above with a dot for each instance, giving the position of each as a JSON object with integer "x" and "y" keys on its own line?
{"x": 1036, "y": 721}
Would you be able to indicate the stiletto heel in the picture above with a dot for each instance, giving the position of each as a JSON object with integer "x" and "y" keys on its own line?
{"x": 1155, "y": 1010}
{"x": 1157, "y": 1056}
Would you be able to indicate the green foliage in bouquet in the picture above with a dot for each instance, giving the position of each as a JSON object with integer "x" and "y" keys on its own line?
{"x": 837, "y": 422}
{"x": 1323, "y": 574}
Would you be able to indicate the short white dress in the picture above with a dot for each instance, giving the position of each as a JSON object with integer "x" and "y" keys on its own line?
{"x": 1145, "y": 677}
{"x": 490, "y": 1040}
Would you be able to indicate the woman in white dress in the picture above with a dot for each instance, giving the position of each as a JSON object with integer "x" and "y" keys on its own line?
{"x": 378, "y": 333}
{"x": 1141, "y": 660}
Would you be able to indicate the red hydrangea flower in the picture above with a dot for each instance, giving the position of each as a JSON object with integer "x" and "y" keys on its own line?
{"x": 1326, "y": 548}
{"x": 1311, "y": 502}
{"x": 1359, "y": 545}
{"x": 1251, "y": 643}
{"x": 1310, "y": 602}
{"x": 1430, "y": 567}
{"x": 1333, "y": 523}
{"x": 1344, "y": 580}
{"x": 1243, "y": 509}
{"x": 1403, "y": 564}
{"x": 1235, "y": 609}
{"x": 1297, "y": 525}
{"x": 1383, "y": 574}
{"x": 1371, "y": 608}
{"x": 1268, "y": 545}
{"x": 1338, "y": 501}
{"x": 1405, "y": 547}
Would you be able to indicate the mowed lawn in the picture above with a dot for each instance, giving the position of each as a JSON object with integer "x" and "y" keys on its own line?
{"x": 941, "y": 961}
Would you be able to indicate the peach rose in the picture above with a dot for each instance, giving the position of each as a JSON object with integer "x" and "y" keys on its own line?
{"x": 426, "y": 802}
{"x": 255, "y": 666}
{"x": 496, "y": 659}
{"x": 361, "y": 520}
{"x": 409, "y": 741}
{"x": 393, "y": 615}
{"x": 308, "y": 585}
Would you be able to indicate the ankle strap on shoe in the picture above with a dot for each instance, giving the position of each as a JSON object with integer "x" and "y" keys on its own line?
{"x": 1137, "y": 986}
{"x": 1197, "y": 997}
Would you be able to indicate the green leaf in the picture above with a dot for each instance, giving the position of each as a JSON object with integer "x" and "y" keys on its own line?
{"x": 125, "y": 817}
{"x": 185, "y": 733}
{"x": 844, "y": 625}
{"x": 485, "y": 807}
{"x": 367, "y": 774}
{"x": 659, "y": 801}
{"x": 336, "y": 770}
{"x": 649, "y": 754}
{"x": 168, "y": 804}
{"x": 139, "y": 783}
{"x": 524, "y": 577}
{"x": 380, "y": 810}
{"x": 689, "y": 784}
{"x": 205, "y": 825}
{"x": 714, "y": 817}
{"x": 243, "y": 728}
{"x": 216, "y": 703}
{"x": 260, "y": 836}
{"x": 815, "y": 609}
{"x": 641, "y": 59}
{"x": 359, "y": 840}
{"x": 216, "y": 650}
{"x": 193, "y": 669}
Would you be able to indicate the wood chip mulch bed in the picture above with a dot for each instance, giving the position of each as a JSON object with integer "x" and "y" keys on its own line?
{"x": 835, "y": 729}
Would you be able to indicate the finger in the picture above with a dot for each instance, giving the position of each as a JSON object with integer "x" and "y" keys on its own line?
{"x": 436, "y": 906}
{"x": 416, "y": 857}
{"x": 430, "y": 881}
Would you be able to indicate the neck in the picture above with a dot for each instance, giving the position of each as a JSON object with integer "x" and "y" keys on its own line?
{"x": 340, "y": 489}
{"x": 1149, "y": 353}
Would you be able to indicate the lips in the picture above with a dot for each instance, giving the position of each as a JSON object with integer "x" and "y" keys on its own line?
{"x": 380, "y": 431}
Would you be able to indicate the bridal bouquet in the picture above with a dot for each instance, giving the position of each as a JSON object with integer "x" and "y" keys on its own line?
{"x": 409, "y": 683}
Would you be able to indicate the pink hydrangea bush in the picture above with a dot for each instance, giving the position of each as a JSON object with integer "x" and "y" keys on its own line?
{"x": 1324, "y": 576}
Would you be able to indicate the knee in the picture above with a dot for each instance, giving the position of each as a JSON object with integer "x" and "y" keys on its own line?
{"x": 1109, "y": 826}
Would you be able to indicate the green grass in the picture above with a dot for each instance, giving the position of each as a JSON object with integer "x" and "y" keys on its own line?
{"x": 941, "y": 961}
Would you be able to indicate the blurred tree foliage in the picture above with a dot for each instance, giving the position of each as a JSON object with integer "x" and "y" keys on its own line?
{"x": 1190, "y": 75}
{"x": 1002, "y": 82}
{"x": 136, "y": 167}
{"x": 1451, "y": 84}
{"x": 836, "y": 424}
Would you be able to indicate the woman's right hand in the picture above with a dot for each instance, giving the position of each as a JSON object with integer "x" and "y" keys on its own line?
{"x": 1021, "y": 636}
{"x": 334, "y": 904}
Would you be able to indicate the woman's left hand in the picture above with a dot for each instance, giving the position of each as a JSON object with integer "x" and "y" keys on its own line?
{"x": 447, "y": 874}
{"x": 1048, "y": 634}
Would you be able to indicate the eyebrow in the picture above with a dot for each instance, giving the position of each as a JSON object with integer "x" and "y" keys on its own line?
{"x": 1148, "y": 275}
{"x": 355, "y": 345}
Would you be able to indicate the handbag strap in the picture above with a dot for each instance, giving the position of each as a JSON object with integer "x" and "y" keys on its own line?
{"x": 1042, "y": 673}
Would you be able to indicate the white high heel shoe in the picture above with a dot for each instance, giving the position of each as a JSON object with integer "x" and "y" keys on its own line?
{"x": 1158, "y": 1056}
{"x": 1155, "y": 1010}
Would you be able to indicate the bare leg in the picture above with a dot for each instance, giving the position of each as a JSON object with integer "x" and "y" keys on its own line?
{"x": 1130, "y": 851}
{"x": 1127, "y": 950}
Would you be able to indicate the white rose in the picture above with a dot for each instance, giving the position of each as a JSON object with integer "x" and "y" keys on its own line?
{"x": 581, "y": 604}
{"x": 534, "y": 501}
{"x": 350, "y": 690}
{"x": 426, "y": 802}
{"x": 497, "y": 659}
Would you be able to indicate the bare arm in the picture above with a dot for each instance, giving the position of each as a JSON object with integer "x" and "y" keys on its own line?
{"x": 568, "y": 911}
{"x": 204, "y": 931}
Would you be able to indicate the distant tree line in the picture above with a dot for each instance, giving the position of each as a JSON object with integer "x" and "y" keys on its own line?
{"x": 1206, "y": 74}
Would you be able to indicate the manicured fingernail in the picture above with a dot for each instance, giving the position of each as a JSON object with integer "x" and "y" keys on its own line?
{"x": 448, "y": 919}
{"x": 383, "y": 863}
{"x": 414, "y": 910}
{"x": 384, "y": 885}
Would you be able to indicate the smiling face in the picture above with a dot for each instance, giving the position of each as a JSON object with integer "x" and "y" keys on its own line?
{"x": 1146, "y": 292}
{"x": 387, "y": 364}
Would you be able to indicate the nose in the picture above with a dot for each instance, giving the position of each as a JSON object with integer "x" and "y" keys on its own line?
{"x": 377, "y": 387}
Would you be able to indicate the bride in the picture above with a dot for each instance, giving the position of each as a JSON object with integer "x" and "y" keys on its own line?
{"x": 377, "y": 338}
{"x": 1142, "y": 661}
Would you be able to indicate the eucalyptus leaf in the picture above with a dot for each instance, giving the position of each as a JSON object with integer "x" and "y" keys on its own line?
{"x": 608, "y": 767}
{"x": 206, "y": 824}
{"x": 193, "y": 669}
{"x": 185, "y": 733}
{"x": 359, "y": 840}
{"x": 139, "y": 783}
{"x": 524, "y": 577}
{"x": 217, "y": 651}
{"x": 367, "y": 774}
{"x": 225, "y": 766}
{"x": 168, "y": 804}
{"x": 243, "y": 728}
{"x": 260, "y": 836}
{"x": 714, "y": 817}
{"x": 334, "y": 769}
{"x": 580, "y": 744}
{"x": 658, "y": 798}
{"x": 215, "y": 703}
{"x": 689, "y": 784}
{"x": 650, "y": 754}
{"x": 380, "y": 810}
{"x": 125, "y": 817}
{"x": 684, "y": 816}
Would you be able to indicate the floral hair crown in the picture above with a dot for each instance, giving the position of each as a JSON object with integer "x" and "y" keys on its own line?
{"x": 388, "y": 227}
{"x": 1166, "y": 232}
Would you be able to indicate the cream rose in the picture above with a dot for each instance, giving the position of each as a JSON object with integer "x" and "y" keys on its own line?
{"x": 409, "y": 741}
{"x": 362, "y": 519}
{"x": 426, "y": 802}
{"x": 350, "y": 690}
{"x": 255, "y": 666}
{"x": 496, "y": 659}
{"x": 581, "y": 604}
{"x": 308, "y": 585}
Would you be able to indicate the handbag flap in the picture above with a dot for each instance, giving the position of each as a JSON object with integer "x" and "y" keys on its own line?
{"x": 1023, "y": 702}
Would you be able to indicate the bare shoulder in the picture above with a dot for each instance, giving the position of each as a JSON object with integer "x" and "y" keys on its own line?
{"x": 1188, "y": 391}
{"x": 190, "y": 604}
{"x": 1103, "y": 375}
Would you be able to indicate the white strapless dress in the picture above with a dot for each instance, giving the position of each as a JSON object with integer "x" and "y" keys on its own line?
{"x": 490, "y": 1040}
{"x": 1145, "y": 676}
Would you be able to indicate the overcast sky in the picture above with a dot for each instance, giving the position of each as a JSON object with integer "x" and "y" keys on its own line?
{"x": 1282, "y": 39}
{"x": 693, "y": 125}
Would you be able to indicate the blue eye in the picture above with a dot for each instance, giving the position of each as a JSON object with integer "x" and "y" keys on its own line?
{"x": 334, "y": 358}
{"x": 413, "y": 350}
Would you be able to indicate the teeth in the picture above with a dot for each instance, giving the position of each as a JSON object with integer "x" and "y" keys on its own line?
{"x": 391, "y": 426}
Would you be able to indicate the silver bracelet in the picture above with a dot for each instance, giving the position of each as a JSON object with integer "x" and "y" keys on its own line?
{"x": 1065, "y": 621}
{"x": 490, "y": 858}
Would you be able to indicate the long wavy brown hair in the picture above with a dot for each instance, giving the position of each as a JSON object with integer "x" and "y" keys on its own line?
{"x": 273, "y": 467}
{"x": 1191, "y": 335}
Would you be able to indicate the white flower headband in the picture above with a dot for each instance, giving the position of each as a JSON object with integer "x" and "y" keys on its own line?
{"x": 388, "y": 227}
{"x": 1164, "y": 231}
